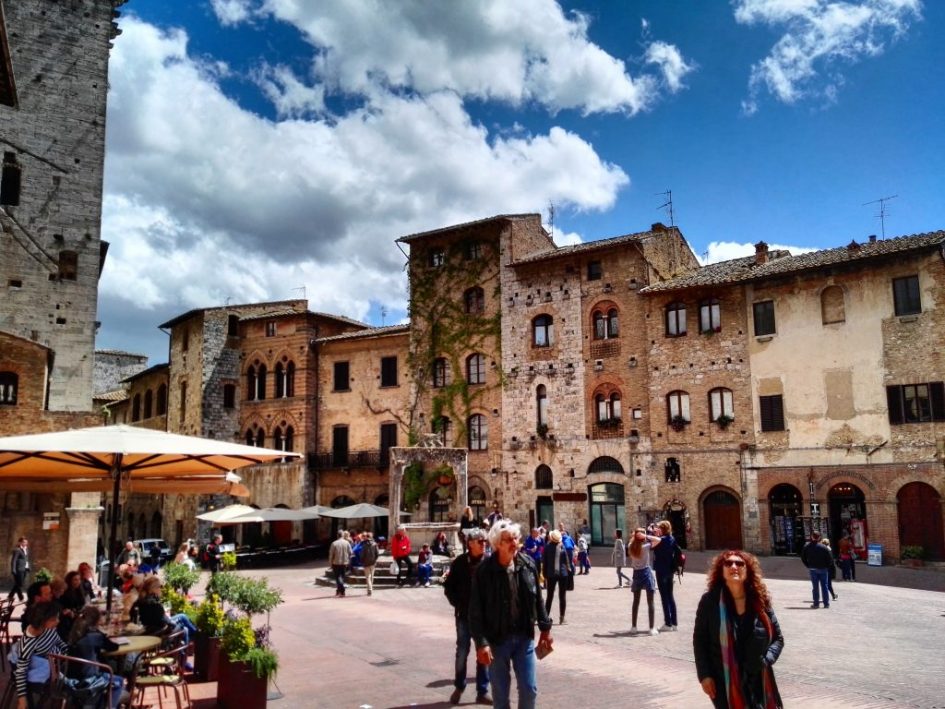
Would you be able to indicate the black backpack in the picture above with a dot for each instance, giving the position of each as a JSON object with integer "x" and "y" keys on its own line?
{"x": 679, "y": 561}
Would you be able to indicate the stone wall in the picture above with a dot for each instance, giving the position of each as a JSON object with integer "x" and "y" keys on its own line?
{"x": 111, "y": 367}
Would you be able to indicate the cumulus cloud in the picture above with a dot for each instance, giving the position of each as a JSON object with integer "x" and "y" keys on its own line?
{"x": 819, "y": 36}
{"x": 231, "y": 12}
{"x": 726, "y": 250}
{"x": 220, "y": 203}
{"x": 670, "y": 62}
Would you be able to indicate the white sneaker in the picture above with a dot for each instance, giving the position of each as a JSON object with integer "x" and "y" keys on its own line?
{"x": 666, "y": 629}
{"x": 633, "y": 630}
{"x": 654, "y": 631}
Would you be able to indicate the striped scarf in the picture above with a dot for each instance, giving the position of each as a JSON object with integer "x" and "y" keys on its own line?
{"x": 733, "y": 684}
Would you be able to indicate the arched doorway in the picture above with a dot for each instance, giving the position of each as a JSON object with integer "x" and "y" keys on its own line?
{"x": 676, "y": 514}
{"x": 920, "y": 519}
{"x": 281, "y": 532}
{"x": 476, "y": 498}
{"x": 848, "y": 516}
{"x": 787, "y": 531}
{"x": 381, "y": 524}
{"x": 723, "y": 520}
{"x": 607, "y": 512}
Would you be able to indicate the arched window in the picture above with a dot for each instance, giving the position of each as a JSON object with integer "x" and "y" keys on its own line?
{"x": 608, "y": 408}
{"x": 677, "y": 406}
{"x": 250, "y": 438}
{"x": 9, "y": 382}
{"x": 541, "y": 401}
{"x": 289, "y": 439}
{"x": 136, "y": 408}
{"x": 710, "y": 315}
{"x": 162, "y": 400}
{"x": 544, "y": 480}
{"x": 474, "y": 300}
{"x": 280, "y": 381}
{"x": 439, "y": 372}
{"x": 278, "y": 439}
{"x": 605, "y": 464}
{"x": 720, "y": 404}
{"x": 543, "y": 331}
{"x": 613, "y": 327}
{"x": 256, "y": 382}
{"x": 285, "y": 380}
{"x": 444, "y": 427}
{"x": 251, "y": 383}
{"x": 148, "y": 404}
{"x": 606, "y": 325}
{"x": 478, "y": 433}
{"x": 260, "y": 438}
{"x": 476, "y": 369}
{"x": 675, "y": 320}
{"x": 477, "y": 500}
{"x": 832, "y": 307}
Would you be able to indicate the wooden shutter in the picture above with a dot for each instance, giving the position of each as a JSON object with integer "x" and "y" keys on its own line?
{"x": 894, "y": 402}
{"x": 772, "y": 413}
{"x": 937, "y": 395}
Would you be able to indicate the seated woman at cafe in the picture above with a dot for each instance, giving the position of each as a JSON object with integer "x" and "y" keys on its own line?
{"x": 90, "y": 588}
{"x": 88, "y": 642}
{"x": 72, "y": 601}
{"x": 28, "y": 656}
{"x": 150, "y": 613}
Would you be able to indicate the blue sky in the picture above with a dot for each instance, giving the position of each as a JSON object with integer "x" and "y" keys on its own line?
{"x": 258, "y": 147}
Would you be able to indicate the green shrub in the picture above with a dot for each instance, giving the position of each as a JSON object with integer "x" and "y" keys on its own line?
{"x": 44, "y": 575}
{"x": 912, "y": 552}
{"x": 254, "y": 596}
{"x": 238, "y": 638}
{"x": 265, "y": 662}
{"x": 222, "y": 585}
{"x": 175, "y": 599}
{"x": 180, "y": 577}
{"x": 228, "y": 560}
{"x": 210, "y": 616}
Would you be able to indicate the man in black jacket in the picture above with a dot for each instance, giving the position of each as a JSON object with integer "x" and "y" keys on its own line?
{"x": 457, "y": 587}
{"x": 504, "y": 605}
{"x": 19, "y": 567}
{"x": 818, "y": 560}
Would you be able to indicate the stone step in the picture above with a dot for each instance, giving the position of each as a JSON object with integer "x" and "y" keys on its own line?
{"x": 382, "y": 575}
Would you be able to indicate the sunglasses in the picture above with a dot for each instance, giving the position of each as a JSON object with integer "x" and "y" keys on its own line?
{"x": 734, "y": 563}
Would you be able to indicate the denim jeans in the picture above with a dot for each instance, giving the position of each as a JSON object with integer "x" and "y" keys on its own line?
{"x": 424, "y": 573}
{"x": 665, "y": 586}
{"x": 518, "y": 652}
{"x": 182, "y": 621}
{"x": 846, "y": 566}
{"x": 818, "y": 580}
{"x": 621, "y": 577}
{"x": 339, "y": 571}
{"x": 463, "y": 643}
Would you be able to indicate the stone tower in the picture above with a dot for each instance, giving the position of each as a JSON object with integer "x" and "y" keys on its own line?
{"x": 53, "y": 85}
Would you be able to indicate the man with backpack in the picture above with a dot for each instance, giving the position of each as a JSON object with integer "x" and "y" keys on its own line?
{"x": 665, "y": 559}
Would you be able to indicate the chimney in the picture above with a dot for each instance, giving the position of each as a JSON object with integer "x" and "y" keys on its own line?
{"x": 761, "y": 252}
{"x": 658, "y": 227}
{"x": 872, "y": 238}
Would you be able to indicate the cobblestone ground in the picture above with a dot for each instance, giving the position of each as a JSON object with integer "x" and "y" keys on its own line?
{"x": 877, "y": 646}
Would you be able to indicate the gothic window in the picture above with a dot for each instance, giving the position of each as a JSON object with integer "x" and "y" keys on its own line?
{"x": 606, "y": 325}
{"x": 285, "y": 380}
{"x": 544, "y": 480}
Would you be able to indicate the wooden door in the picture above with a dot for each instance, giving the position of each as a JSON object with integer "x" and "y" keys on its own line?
{"x": 723, "y": 521}
{"x": 920, "y": 520}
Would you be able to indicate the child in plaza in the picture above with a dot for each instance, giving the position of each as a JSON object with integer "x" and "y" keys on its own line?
{"x": 424, "y": 565}
{"x": 643, "y": 578}
{"x": 584, "y": 561}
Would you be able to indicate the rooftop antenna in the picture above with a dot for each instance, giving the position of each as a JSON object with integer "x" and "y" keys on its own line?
{"x": 882, "y": 210}
{"x": 301, "y": 291}
{"x": 226, "y": 301}
{"x": 383, "y": 314}
{"x": 551, "y": 218}
{"x": 667, "y": 205}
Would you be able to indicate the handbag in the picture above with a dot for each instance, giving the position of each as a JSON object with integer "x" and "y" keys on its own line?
{"x": 569, "y": 582}
{"x": 394, "y": 568}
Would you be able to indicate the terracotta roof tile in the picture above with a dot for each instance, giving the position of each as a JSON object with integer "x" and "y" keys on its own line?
{"x": 369, "y": 332}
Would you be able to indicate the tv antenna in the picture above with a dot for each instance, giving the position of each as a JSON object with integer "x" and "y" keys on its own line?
{"x": 301, "y": 291}
{"x": 551, "y": 218}
{"x": 667, "y": 205}
{"x": 383, "y": 314}
{"x": 882, "y": 210}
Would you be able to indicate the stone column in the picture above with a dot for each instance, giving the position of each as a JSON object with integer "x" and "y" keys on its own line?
{"x": 83, "y": 512}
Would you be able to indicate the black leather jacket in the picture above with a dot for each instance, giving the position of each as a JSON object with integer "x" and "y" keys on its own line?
{"x": 458, "y": 583}
{"x": 490, "y": 621}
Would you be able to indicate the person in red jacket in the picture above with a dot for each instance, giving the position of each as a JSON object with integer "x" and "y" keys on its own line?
{"x": 400, "y": 550}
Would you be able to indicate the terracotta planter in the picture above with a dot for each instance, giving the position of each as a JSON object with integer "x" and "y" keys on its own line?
{"x": 206, "y": 657}
{"x": 445, "y": 480}
{"x": 238, "y": 687}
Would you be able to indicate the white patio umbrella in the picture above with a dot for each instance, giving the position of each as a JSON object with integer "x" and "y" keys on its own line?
{"x": 122, "y": 454}
{"x": 357, "y": 511}
{"x": 320, "y": 510}
{"x": 270, "y": 514}
{"x": 222, "y": 514}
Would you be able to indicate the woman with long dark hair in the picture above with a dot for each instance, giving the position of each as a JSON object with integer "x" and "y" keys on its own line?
{"x": 558, "y": 568}
{"x": 737, "y": 638}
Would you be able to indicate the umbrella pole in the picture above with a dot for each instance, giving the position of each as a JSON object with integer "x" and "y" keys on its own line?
{"x": 111, "y": 554}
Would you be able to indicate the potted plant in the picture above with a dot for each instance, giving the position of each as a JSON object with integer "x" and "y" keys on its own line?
{"x": 678, "y": 423}
{"x": 912, "y": 555}
{"x": 44, "y": 575}
{"x": 180, "y": 577}
{"x": 724, "y": 421}
{"x": 209, "y": 621}
{"x": 248, "y": 660}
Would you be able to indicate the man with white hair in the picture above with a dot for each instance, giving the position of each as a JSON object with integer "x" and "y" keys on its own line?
{"x": 505, "y": 603}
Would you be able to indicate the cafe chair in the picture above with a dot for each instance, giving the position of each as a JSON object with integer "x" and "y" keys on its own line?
{"x": 7, "y": 640}
{"x": 170, "y": 678}
{"x": 163, "y": 663}
{"x": 65, "y": 692}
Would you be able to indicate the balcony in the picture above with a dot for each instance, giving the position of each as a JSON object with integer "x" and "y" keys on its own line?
{"x": 375, "y": 458}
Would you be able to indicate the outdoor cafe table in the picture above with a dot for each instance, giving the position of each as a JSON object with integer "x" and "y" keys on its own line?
{"x": 136, "y": 643}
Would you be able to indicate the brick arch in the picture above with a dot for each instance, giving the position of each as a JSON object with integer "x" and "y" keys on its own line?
{"x": 251, "y": 358}
{"x": 283, "y": 355}
{"x": 607, "y": 388}
{"x": 604, "y": 304}
{"x": 891, "y": 493}
{"x": 285, "y": 415}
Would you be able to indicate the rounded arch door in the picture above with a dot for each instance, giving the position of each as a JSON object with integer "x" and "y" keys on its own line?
{"x": 920, "y": 519}
{"x": 722, "y": 513}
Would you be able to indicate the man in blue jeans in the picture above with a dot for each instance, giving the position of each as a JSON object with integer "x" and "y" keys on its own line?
{"x": 457, "y": 587}
{"x": 504, "y": 605}
{"x": 818, "y": 560}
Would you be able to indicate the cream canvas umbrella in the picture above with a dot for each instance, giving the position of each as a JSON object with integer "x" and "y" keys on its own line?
{"x": 222, "y": 514}
{"x": 122, "y": 455}
{"x": 271, "y": 514}
{"x": 357, "y": 511}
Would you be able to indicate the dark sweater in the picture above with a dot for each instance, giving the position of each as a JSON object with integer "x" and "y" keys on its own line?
{"x": 816, "y": 556}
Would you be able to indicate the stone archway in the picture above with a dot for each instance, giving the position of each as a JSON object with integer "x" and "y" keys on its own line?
{"x": 429, "y": 456}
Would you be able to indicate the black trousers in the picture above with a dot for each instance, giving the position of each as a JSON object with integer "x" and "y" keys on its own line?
{"x": 19, "y": 581}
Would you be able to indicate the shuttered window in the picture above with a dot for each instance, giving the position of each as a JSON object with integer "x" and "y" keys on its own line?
{"x": 916, "y": 403}
{"x": 341, "y": 377}
{"x": 764, "y": 318}
{"x": 906, "y": 295}
{"x": 772, "y": 412}
{"x": 388, "y": 371}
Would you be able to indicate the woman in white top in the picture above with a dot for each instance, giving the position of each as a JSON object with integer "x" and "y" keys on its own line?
{"x": 183, "y": 556}
{"x": 643, "y": 578}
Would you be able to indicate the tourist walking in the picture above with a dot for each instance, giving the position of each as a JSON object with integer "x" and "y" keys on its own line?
{"x": 847, "y": 561}
{"x": 400, "y": 551}
{"x": 457, "y": 588}
{"x": 559, "y": 573}
{"x": 737, "y": 639}
{"x": 618, "y": 558}
{"x": 643, "y": 580}
{"x": 584, "y": 561}
{"x": 505, "y": 603}
{"x": 818, "y": 560}
{"x": 19, "y": 568}
{"x": 369, "y": 554}
{"x": 339, "y": 556}
{"x": 467, "y": 521}
{"x": 832, "y": 572}
{"x": 664, "y": 566}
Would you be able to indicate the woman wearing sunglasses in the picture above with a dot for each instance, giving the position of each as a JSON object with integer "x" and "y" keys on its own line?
{"x": 737, "y": 638}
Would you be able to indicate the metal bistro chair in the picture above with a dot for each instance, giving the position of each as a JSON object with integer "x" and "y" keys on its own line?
{"x": 165, "y": 661}
{"x": 65, "y": 694}
{"x": 170, "y": 676}
{"x": 6, "y": 638}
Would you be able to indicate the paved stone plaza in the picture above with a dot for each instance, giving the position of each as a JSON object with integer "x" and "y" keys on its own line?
{"x": 877, "y": 646}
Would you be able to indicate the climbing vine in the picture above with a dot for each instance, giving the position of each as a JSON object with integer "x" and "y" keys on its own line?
{"x": 441, "y": 327}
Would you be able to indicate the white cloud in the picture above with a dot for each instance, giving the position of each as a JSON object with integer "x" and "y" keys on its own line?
{"x": 290, "y": 96}
{"x": 818, "y": 35}
{"x": 515, "y": 52}
{"x": 207, "y": 201}
{"x": 670, "y": 62}
{"x": 231, "y": 12}
{"x": 726, "y": 250}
